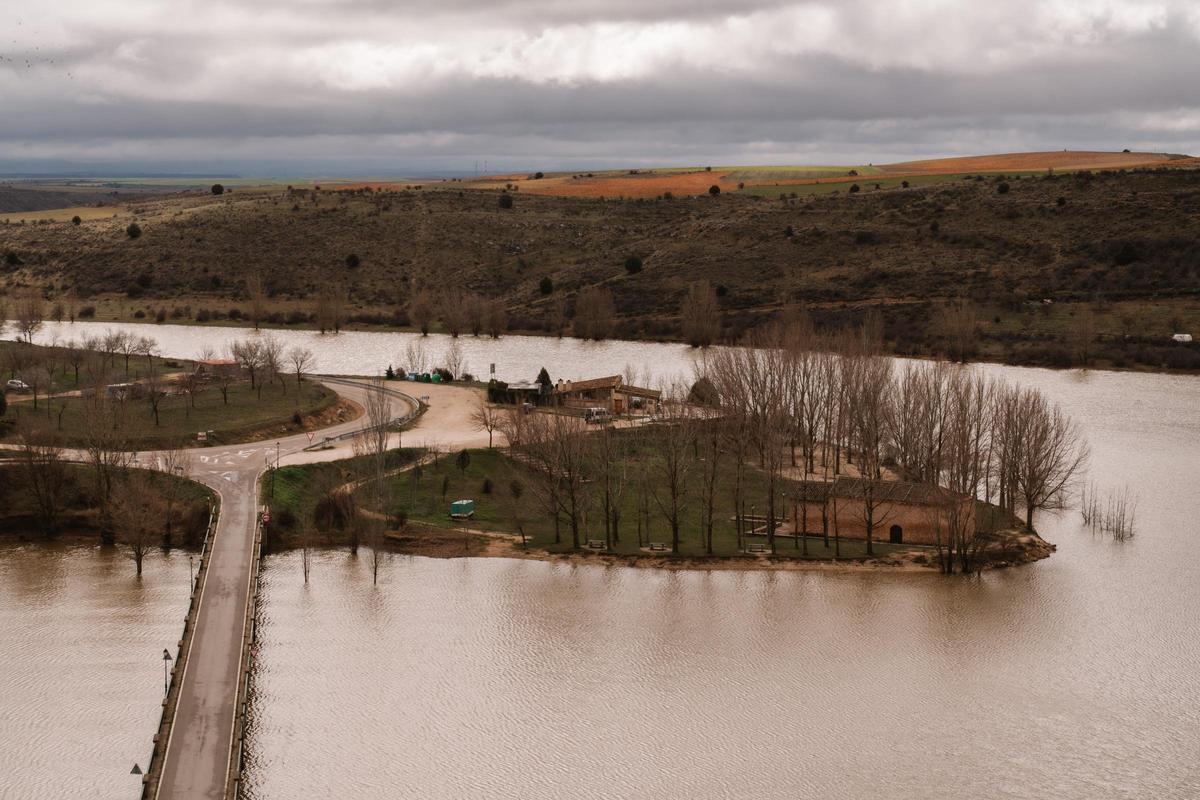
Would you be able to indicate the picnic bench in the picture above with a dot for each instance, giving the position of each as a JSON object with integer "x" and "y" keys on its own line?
{"x": 597, "y": 544}
{"x": 658, "y": 546}
{"x": 757, "y": 548}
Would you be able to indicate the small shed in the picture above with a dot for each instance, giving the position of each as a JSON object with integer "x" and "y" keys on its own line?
{"x": 462, "y": 509}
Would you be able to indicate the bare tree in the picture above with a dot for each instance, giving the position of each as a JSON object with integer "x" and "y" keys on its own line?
{"x": 486, "y": 417}
{"x": 452, "y": 361}
{"x": 958, "y": 324}
{"x": 177, "y": 465}
{"x": 1050, "y": 456}
{"x": 375, "y": 437}
{"x": 497, "y": 318}
{"x": 257, "y": 295}
{"x": 43, "y": 474}
{"x": 421, "y": 311}
{"x": 673, "y": 442}
{"x": 272, "y": 362}
{"x": 870, "y": 413}
{"x": 137, "y": 515}
{"x": 249, "y": 356}
{"x": 301, "y": 361}
{"x": 700, "y": 315}
{"x": 595, "y": 313}
{"x": 30, "y": 314}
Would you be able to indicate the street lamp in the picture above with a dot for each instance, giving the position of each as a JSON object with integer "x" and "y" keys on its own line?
{"x": 191, "y": 573}
{"x": 166, "y": 665}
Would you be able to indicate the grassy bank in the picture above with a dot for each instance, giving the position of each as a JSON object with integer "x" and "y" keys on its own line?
{"x": 421, "y": 497}
{"x": 247, "y": 413}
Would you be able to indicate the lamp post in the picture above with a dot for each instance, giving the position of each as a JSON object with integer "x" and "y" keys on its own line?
{"x": 191, "y": 573}
{"x": 166, "y": 666}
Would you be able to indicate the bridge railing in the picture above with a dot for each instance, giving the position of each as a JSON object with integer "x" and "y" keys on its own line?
{"x": 162, "y": 738}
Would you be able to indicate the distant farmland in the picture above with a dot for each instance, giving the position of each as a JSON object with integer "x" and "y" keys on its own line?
{"x": 807, "y": 180}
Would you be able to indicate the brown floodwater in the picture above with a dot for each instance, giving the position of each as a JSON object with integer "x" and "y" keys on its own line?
{"x": 1076, "y": 677}
{"x": 81, "y": 640}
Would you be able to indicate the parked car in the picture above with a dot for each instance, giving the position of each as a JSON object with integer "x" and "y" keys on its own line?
{"x": 17, "y": 386}
{"x": 597, "y": 416}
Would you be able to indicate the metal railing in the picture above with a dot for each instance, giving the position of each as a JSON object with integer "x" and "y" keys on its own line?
{"x": 417, "y": 408}
{"x": 153, "y": 771}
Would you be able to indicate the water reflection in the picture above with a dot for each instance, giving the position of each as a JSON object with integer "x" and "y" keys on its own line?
{"x": 80, "y": 675}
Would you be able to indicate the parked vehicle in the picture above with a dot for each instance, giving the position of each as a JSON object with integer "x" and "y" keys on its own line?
{"x": 17, "y": 386}
{"x": 597, "y": 416}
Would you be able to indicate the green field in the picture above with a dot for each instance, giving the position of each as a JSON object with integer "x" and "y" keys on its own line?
{"x": 245, "y": 415}
{"x": 423, "y": 501}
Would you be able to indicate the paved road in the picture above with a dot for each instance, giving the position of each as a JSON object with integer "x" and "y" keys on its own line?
{"x": 198, "y": 752}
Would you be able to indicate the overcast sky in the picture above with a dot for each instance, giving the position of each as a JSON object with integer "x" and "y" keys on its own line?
{"x": 273, "y": 87}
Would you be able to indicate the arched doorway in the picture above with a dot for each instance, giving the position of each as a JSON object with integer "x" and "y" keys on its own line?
{"x": 896, "y": 535}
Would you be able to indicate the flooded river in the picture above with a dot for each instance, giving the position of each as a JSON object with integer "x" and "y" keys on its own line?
{"x": 81, "y": 678}
{"x": 1075, "y": 677}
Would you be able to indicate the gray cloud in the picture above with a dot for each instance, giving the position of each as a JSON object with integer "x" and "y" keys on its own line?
{"x": 356, "y": 85}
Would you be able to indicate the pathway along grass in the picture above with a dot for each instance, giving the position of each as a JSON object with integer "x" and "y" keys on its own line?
{"x": 423, "y": 498}
{"x": 244, "y": 416}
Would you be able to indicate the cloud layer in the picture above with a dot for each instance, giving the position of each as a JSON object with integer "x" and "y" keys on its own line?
{"x": 360, "y": 86}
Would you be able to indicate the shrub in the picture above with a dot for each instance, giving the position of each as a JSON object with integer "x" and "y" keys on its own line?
{"x": 144, "y": 280}
{"x": 12, "y": 259}
{"x": 76, "y": 220}
{"x": 714, "y": 190}
{"x": 1062, "y": 201}
{"x": 934, "y": 227}
{"x": 903, "y": 184}
{"x": 87, "y": 312}
{"x": 537, "y": 176}
{"x": 633, "y": 265}
{"x": 486, "y": 488}
{"x": 854, "y": 188}
{"x": 722, "y": 290}
{"x": 853, "y": 173}
{"x": 218, "y": 189}
{"x": 352, "y": 261}
{"x": 1002, "y": 187}
{"x": 203, "y": 315}
{"x": 161, "y": 315}
{"x": 134, "y": 291}
{"x": 545, "y": 285}
{"x": 506, "y": 201}
{"x": 297, "y": 419}
{"x": 286, "y": 518}
{"x": 139, "y": 314}
{"x": 133, "y": 231}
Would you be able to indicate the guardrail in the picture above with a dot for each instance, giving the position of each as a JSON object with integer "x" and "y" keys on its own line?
{"x": 237, "y": 754}
{"x": 153, "y": 771}
{"x": 418, "y": 408}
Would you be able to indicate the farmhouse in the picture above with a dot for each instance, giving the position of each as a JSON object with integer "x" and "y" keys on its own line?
{"x": 610, "y": 393}
{"x": 914, "y": 513}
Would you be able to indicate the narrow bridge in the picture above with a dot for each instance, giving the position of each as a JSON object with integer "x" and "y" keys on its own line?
{"x": 199, "y": 750}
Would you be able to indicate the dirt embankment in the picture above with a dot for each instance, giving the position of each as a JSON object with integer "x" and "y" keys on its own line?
{"x": 1004, "y": 549}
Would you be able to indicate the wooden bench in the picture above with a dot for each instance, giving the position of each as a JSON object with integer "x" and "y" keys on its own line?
{"x": 757, "y": 548}
{"x": 658, "y": 546}
{"x": 597, "y": 544}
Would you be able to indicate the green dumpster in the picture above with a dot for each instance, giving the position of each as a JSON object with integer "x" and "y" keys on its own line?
{"x": 462, "y": 509}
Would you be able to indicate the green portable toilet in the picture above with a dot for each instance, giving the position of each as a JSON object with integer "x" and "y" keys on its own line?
{"x": 462, "y": 509}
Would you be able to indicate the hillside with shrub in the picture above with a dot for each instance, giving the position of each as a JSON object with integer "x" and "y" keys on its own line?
{"x": 1058, "y": 269}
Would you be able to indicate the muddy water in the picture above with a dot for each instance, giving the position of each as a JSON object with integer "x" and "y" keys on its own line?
{"x": 1076, "y": 677}
{"x": 81, "y": 677}
{"x": 368, "y": 353}
{"x": 1073, "y": 678}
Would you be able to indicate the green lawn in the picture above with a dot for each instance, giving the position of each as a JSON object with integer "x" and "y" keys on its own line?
{"x": 243, "y": 416}
{"x": 423, "y": 500}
